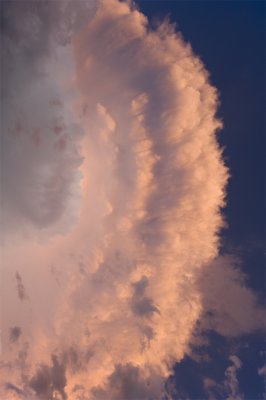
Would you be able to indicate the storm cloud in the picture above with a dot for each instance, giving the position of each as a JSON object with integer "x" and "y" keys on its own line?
{"x": 113, "y": 186}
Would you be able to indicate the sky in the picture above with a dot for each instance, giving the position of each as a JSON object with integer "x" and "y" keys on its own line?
{"x": 132, "y": 200}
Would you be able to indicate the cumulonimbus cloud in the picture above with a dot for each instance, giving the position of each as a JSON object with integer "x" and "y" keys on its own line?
{"x": 113, "y": 187}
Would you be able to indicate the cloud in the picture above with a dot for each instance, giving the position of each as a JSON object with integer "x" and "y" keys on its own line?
{"x": 141, "y": 305}
{"x": 50, "y": 381}
{"x": 229, "y": 388}
{"x": 10, "y": 386}
{"x": 39, "y": 140}
{"x": 112, "y": 196}
{"x": 231, "y": 382}
{"x": 15, "y": 333}
{"x": 128, "y": 382}
{"x": 225, "y": 313}
{"x": 20, "y": 287}
{"x": 262, "y": 371}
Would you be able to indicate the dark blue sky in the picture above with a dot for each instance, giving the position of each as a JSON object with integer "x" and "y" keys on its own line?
{"x": 229, "y": 37}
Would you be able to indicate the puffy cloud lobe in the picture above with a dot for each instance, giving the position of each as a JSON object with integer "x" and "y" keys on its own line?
{"x": 126, "y": 167}
{"x": 225, "y": 313}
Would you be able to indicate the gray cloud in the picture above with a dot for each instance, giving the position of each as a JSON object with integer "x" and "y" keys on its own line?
{"x": 14, "y": 388}
{"x": 39, "y": 137}
{"x": 127, "y": 382}
{"x": 141, "y": 304}
{"x": 14, "y": 334}
{"x": 49, "y": 379}
{"x": 20, "y": 287}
